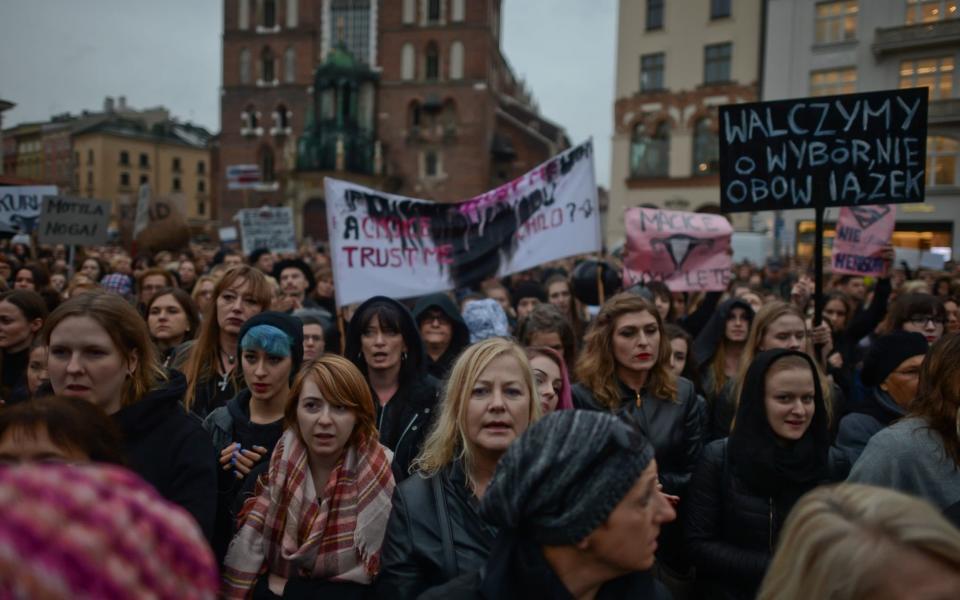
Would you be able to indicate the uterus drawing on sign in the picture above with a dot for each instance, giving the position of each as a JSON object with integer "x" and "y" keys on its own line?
{"x": 679, "y": 247}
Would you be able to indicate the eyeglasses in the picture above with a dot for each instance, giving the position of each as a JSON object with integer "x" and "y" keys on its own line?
{"x": 922, "y": 320}
{"x": 437, "y": 317}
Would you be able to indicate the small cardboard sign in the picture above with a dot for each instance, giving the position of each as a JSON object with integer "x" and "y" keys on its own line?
{"x": 73, "y": 221}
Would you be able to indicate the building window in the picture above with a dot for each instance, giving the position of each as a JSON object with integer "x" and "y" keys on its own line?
{"x": 408, "y": 59}
{"x": 244, "y": 66}
{"x": 289, "y": 65}
{"x": 716, "y": 62}
{"x": 243, "y": 14}
{"x": 837, "y": 21}
{"x": 292, "y": 6}
{"x": 432, "y": 62}
{"x": 201, "y": 208}
{"x": 90, "y": 178}
{"x": 90, "y": 157}
{"x": 350, "y": 19}
{"x": 654, "y": 14}
{"x": 933, "y": 73}
{"x": 124, "y": 158}
{"x": 201, "y": 167}
{"x": 651, "y": 72}
{"x": 124, "y": 180}
{"x": 650, "y": 155}
{"x": 176, "y": 184}
{"x": 201, "y": 186}
{"x": 409, "y": 12}
{"x": 457, "y": 10}
{"x": 266, "y": 64}
{"x": 942, "y": 160}
{"x": 456, "y": 60}
{"x": 269, "y": 13}
{"x": 431, "y": 163}
{"x": 176, "y": 165}
{"x": 433, "y": 11}
{"x": 144, "y": 161}
{"x": 281, "y": 117}
{"x": 706, "y": 148}
{"x": 927, "y": 11}
{"x": 267, "y": 167}
{"x": 144, "y": 180}
{"x": 831, "y": 82}
{"x": 719, "y": 9}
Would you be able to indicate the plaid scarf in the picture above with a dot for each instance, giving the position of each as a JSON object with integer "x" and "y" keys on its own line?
{"x": 288, "y": 530}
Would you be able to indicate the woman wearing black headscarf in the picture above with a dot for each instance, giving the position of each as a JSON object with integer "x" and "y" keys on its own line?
{"x": 745, "y": 485}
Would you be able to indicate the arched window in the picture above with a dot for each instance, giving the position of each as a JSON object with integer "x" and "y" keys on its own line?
{"x": 282, "y": 119}
{"x": 243, "y": 14}
{"x": 244, "y": 66}
{"x": 267, "y": 166}
{"x": 456, "y": 60}
{"x": 706, "y": 148}
{"x": 650, "y": 155}
{"x": 408, "y": 61}
{"x": 942, "y": 153}
{"x": 409, "y": 12}
{"x": 432, "y": 62}
{"x": 270, "y": 13}
{"x": 433, "y": 11}
{"x": 266, "y": 64}
{"x": 292, "y": 16}
{"x": 289, "y": 65}
{"x": 457, "y": 10}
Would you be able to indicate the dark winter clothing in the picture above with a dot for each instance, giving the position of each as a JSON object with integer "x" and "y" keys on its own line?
{"x": 170, "y": 449}
{"x": 208, "y": 395}
{"x": 888, "y": 352}
{"x": 858, "y": 427}
{"x": 706, "y": 343}
{"x": 459, "y": 340}
{"x": 13, "y": 388}
{"x": 413, "y": 557}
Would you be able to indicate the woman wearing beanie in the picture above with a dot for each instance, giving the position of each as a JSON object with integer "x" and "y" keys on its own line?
{"x": 579, "y": 509}
{"x": 383, "y": 341}
{"x": 920, "y": 454}
{"x": 100, "y": 352}
{"x": 316, "y": 525}
{"x": 746, "y": 484}
{"x": 436, "y": 532}
{"x": 245, "y": 431}
{"x": 891, "y": 374}
{"x": 624, "y": 368}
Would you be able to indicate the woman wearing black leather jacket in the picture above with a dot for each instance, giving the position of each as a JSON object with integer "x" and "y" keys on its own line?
{"x": 745, "y": 485}
{"x": 435, "y": 531}
{"x": 384, "y": 343}
{"x": 624, "y": 368}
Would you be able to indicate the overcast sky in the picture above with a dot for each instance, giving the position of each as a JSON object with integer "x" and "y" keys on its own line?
{"x": 67, "y": 55}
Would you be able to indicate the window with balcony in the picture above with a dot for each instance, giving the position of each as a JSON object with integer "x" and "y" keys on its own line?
{"x": 650, "y": 154}
{"x": 651, "y": 72}
{"x": 716, "y": 63}
{"x": 706, "y": 148}
{"x": 837, "y": 21}
{"x": 654, "y": 14}
{"x": 928, "y": 11}
{"x": 933, "y": 73}
{"x": 830, "y": 82}
{"x": 942, "y": 155}
{"x": 719, "y": 9}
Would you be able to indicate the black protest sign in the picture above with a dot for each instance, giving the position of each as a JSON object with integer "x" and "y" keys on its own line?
{"x": 826, "y": 151}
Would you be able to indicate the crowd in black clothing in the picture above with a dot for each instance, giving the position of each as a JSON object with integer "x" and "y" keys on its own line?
{"x": 520, "y": 439}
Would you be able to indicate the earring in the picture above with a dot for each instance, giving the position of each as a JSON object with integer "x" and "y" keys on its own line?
{"x": 403, "y": 356}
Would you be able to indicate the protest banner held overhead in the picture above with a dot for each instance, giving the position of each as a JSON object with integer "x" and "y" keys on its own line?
{"x": 73, "y": 221}
{"x": 269, "y": 227}
{"x": 687, "y": 251}
{"x": 847, "y": 150}
{"x": 406, "y": 247}
{"x": 20, "y": 207}
{"x": 862, "y": 234}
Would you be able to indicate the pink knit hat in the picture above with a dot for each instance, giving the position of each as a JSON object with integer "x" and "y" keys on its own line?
{"x": 96, "y": 531}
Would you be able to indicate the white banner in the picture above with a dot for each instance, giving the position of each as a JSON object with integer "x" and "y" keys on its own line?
{"x": 267, "y": 227}
{"x": 20, "y": 206}
{"x": 402, "y": 247}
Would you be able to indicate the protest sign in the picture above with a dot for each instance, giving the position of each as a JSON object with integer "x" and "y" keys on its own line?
{"x": 227, "y": 234}
{"x": 862, "y": 233}
{"x": 267, "y": 227}
{"x": 844, "y": 150}
{"x": 404, "y": 247}
{"x": 687, "y": 251}
{"x": 167, "y": 228}
{"x": 73, "y": 221}
{"x": 20, "y": 207}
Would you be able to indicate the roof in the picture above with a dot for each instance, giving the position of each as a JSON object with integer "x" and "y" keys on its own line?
{"x": 170, "y": 132}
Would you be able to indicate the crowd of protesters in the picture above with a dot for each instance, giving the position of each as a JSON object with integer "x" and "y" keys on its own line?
{"x": 230, "y": 431}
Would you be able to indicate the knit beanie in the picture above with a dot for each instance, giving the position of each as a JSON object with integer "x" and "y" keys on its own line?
{"x": 563, "y": 477}
{"x": 888, "y": 352}
{"x": 485, "y": 319}
{"x": 528, "y": 289}
{"x": 289, "y": 325}
{"x": 97, "y": 531}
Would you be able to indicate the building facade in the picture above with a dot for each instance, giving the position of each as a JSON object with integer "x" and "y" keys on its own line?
{"x": 844, "y": 46}
{"x": 677, "y": 61}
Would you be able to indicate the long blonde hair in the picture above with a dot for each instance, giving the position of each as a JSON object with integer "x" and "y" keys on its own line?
{"x": 447, "y": 440}
{"x": 840, "y": 542}
{"x": 596, "y": 367}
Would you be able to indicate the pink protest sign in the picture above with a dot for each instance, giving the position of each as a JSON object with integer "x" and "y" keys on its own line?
{"x": 687, "y": 251}
{"x": 862, "y": 233}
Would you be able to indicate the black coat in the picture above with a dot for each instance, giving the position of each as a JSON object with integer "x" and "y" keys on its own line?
{"x": 412, "y": 559}
{"x": 171, "y": 451}
{"x": 458, "y": 341}
{"x": 518, "y": 570}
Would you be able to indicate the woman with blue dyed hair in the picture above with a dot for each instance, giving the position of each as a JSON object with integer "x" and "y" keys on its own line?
{"x": 245, "y": 431}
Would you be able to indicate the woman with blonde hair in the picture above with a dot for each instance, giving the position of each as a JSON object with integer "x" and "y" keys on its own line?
{"x": 849, "y": 541}
{"x": 316, "y": 524}
{"x": 210, "y": 362}
{"x": 436, "y": 532}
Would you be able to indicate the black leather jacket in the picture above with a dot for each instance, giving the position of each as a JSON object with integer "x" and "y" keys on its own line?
{"x": 412, "y": 557}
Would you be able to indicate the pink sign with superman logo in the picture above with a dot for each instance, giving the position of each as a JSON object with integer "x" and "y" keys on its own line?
{"x": 862, "y": 234}
{"x": 687, "y": 251}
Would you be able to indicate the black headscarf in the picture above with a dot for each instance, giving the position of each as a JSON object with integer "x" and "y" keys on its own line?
{"x": 708, "y": 340}
{"x": 758, "y": 457}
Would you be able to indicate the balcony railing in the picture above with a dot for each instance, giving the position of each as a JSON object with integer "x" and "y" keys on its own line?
{"x": 920, "y": 35}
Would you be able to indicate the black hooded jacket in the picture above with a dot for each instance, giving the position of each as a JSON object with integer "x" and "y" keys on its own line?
{"x": 461, "y": 335}
{"x": 170, "y": 450}
{"x": 403, "y": 422}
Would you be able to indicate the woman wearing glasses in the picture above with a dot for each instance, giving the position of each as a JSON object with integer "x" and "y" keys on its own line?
{"x": 921, "y": 313}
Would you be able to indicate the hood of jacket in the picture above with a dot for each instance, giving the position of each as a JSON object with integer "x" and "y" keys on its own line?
{"x": 461, "y": 334}
{"x": 136, "y": 419}
{"x": 416, "y": 360}
{"x": 239, "y": 406}
{"x": 705, "y": 346}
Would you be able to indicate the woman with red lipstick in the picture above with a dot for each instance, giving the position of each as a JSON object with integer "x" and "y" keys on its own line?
{"x": 316, "y": 525}
{"x": 746, "y": 484}
{"x": 436, "y": 532}
{"x": 210, "y": 362}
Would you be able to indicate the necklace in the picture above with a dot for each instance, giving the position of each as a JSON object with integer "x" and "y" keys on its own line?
{"x": 225, "y": 377}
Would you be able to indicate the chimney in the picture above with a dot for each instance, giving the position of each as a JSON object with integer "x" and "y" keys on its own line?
{"x": 108, "y": 105}
{"x": 122, "y": 103}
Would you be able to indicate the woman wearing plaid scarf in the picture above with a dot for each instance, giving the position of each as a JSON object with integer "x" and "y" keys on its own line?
{"x": 318, "y": 520}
